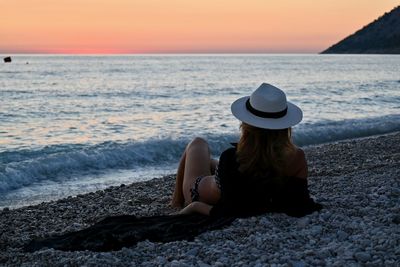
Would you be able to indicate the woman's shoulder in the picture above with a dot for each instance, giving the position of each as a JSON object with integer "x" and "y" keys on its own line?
{"x": 299, "y": 154}
{"x": 228, "y": 158}
{"x": 297, "y": 164}
{"x": 229, "y": 152}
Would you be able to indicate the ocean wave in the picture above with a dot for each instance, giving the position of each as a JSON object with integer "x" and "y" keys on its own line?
{"x": 23, "y": 167}
{"x": 330, "y": 131}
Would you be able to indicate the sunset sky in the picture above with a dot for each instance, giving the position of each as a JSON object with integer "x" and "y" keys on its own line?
{"x": 181, "y": 26}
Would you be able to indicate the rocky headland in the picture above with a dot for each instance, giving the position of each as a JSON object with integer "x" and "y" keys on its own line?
{"x": 381, "y": 36}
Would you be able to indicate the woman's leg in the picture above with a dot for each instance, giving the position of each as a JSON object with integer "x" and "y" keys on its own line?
{"x": 195, "y": 162}
{"x": 177, "y": 197}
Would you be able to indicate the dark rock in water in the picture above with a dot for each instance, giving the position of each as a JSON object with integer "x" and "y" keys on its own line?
{"x": 381, "y": 36}
{"x": 7, "y": 59}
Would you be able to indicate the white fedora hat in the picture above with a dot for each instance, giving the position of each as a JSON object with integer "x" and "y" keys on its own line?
{"x": 267, "y": 108}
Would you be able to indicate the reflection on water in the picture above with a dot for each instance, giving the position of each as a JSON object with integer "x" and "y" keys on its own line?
{"x": 68, "y": 99}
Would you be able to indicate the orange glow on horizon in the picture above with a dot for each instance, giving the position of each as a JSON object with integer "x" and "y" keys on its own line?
{"x": 181, "y": 26}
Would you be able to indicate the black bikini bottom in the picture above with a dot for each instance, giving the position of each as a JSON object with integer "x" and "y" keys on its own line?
{"x": 195, "y": 189}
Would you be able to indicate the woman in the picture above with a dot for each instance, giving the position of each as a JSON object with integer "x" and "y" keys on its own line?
{"x": 265, "y": 171}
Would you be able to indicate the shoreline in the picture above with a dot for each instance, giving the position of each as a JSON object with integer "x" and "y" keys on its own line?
{"x": 38, "y": 201}
{"x": 356, "y": 180}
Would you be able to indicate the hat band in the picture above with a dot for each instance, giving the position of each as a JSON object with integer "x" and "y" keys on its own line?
{"x": 262, "y": 114}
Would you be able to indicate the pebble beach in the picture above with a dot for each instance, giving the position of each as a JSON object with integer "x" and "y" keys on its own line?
{"x": 357, "y": 181}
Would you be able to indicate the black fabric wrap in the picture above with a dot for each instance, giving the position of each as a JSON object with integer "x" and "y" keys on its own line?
{"x": 241, "y": 197}
{"x": 114, "y": 233}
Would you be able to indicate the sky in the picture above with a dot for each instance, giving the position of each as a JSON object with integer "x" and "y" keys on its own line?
{"x": 181, "y": 26}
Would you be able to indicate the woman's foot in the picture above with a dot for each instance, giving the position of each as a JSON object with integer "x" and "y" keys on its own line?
{"x": 176, "y": 204}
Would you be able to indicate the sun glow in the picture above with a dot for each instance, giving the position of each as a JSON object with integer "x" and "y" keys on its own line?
{"x": 177, "y": 26}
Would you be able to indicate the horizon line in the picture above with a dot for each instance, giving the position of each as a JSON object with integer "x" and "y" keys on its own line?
{"x": 162, "y": 53}
{"x": 144, "y": 52}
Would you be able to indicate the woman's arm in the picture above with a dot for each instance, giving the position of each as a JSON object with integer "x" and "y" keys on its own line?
{"x": 196, "y": 207}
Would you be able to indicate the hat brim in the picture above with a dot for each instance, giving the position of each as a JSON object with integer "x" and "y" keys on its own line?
{"x": 293, "y": 116}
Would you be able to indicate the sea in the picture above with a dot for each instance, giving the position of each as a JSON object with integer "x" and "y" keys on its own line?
{"x": 74, "y": 124}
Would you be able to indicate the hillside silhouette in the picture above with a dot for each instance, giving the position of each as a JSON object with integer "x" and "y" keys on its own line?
{"x": 381, "y": 36}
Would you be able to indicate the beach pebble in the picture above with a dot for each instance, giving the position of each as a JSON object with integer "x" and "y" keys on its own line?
{"x": 109, "y": 200}
{"x": 316, "y": 229}
{"x": 202, "y": 264}
{"x": 193, "y": 252}
{"x": 362, "y": 256}
{"x": 297, "y": 263}
{"x": 176, "y": 263}
{"x": 303, "y": 222}
{"x": 161, "y": 260}
{"x": 395, "y": 218}
{"x": 325, "y": 215}
{"x": 355, "y": 181}
{"x": 341, "y": 235}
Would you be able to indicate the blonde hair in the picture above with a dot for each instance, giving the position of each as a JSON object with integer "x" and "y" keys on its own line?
{"x": 261, "y": 151}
